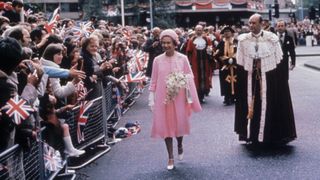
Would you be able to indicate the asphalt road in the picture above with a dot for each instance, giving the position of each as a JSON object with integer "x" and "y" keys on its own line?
{"x": 212, "y": 151}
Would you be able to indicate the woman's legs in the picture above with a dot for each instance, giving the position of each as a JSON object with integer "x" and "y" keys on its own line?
{"x": 169, "y": 146}
{"x": 179, "y": 140}
{"x": 180, "y": 147}
{"x": 65, "y": 128}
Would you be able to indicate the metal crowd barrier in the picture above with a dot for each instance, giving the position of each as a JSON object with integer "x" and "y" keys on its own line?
{"x": 93, "y": 130}
{"x": 109, "y": 104}
{"x": 17, "y": 164}
{"x": 11, "y": 162}
{"x": 33, "y": 161}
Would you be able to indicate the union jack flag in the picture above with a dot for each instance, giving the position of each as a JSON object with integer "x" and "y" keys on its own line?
{"x": 52, "y": 158}
{"x": 18, "y": 109}
{"x": 139, "y": 57}
{"x": 126, "y": 33}
{"x": 5, "y": 6}
{"x": 83, "y": 119}
{"x": 81, "y": 90}
{"x": 76, "y": 31}
{"x": 87, "y": 28}
{"x": 81, "y": 30}
{"x": 52, "y": 20}
{"x": 138, "y": 77}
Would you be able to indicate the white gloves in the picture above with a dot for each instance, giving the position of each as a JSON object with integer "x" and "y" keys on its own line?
{"x": 151, "y": 100}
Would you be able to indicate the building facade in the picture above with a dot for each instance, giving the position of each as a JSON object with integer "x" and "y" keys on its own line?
{"x": 189, "y": 12}
{"x": 69, "y": 8}
{"x": 167, "y": 13}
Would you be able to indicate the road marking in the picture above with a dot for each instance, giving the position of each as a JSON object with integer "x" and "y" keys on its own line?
{"x": 302, "y": 66}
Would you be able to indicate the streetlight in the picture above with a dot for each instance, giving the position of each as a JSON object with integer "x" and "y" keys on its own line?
{"x": 301, "y": 8}
{"x": 122, "y": 13}
{"x": 151, "y": 14}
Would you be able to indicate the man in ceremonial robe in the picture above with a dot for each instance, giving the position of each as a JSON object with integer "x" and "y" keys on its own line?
{"x": 264, "y": 110}
{"x": 226, "y": 55}
{"x": 199, "y": 50}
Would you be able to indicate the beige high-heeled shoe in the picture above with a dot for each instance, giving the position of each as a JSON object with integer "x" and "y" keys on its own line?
{"x": 170, "y": 164}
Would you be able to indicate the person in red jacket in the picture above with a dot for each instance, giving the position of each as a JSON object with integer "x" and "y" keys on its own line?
{"x": 14, "y": 14}
{"x": 199, "y": 50}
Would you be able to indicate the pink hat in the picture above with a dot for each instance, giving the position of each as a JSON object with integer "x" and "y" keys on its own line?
{"x": 170, "y": 33}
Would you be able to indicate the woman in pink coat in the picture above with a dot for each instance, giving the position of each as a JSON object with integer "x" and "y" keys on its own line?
{"x": 173, "y": 95}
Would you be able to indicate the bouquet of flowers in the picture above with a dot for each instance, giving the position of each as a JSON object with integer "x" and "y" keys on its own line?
{"x": 174, "y": 82}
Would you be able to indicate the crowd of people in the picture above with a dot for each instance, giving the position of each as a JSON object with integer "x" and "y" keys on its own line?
{"x": 305, "y": 28}
{"x": 53, "y": 65}
{"x": 45, "y": 61}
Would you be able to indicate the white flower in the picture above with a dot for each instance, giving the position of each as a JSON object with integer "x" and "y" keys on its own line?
{"x": 174, "y": 82}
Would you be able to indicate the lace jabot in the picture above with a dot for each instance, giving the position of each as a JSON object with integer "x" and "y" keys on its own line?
{"x": 265, "y": 47}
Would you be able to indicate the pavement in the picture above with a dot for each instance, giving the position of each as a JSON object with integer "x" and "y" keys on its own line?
{"x": 303, "y": 51}
{"x": 308, "y": 51}
{"x": 213, "y": 151}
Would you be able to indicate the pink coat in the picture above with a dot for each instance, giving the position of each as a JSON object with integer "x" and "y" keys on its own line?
{"x": 171, "y": 119}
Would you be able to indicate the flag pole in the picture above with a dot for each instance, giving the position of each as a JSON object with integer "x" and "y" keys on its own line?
{"x": 151, "y": 14}
{"x": 122, "y": 13}
{"x": 22, "y": 14}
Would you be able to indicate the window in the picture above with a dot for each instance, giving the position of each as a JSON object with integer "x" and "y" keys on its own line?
{"x": 69, "y": 7}
{"x": 51, "y": 7}
{"x": 65, "y": 7}
{"x": 74, "y": 7}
